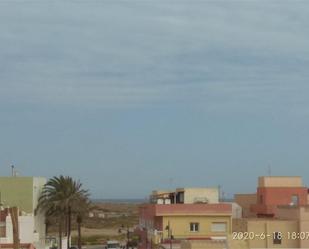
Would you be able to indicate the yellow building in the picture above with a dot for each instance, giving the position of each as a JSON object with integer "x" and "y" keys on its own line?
{"x": 161, "y": 223}
{"x": 266, "y": 233}
{"x": 214, "y": 244}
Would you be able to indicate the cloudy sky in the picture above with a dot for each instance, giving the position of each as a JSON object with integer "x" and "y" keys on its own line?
{"x": 129, "y": 96}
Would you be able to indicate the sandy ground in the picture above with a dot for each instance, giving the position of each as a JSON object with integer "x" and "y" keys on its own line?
{"x": 94, "y": 231}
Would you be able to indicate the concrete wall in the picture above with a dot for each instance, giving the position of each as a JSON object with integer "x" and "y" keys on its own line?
{"x": 17, "y": 191}
{"x": 9, "y": 229}
{"x": 281, "y": 195}
{"x": 210, "y": 244}
{"x": 180, "y": 226}
{"x": 39, "y": 219}
{"x": 239, "y": 225}
{"x": 245, "y": 201}
{"x": 26, "y": 228}
{"x": 268, "y": 227}
{"x": 193, "y": 195}
{"x": 280, "y": 181}
{"x": 236, "y": 211}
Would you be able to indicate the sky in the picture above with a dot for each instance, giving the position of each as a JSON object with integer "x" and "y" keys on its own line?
{"x": 134, "y": 95}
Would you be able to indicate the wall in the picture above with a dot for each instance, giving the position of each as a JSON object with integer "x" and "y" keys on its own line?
{"x": 26, "y": 229}
{"x": 180, "y": 226}
{"x": 282, "y": 195}
{"x": 17, "y": 191}
{"x": 259, "y": 226}
{"x": 245, "y": 201}
{"x": 210, "y": 244}
{"x": 39, "y": 219}
{"x": 280, "y": 181}
{"x": 194, "y": 194}
{"x": 239, "y": 225}
{"x": 9, "y": 229}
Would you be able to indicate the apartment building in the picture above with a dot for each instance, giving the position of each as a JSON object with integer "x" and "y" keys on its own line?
{"x": 184, "y": 214}
{"x": 276, "y": 217}
{"x": 273, "y": 191}
{"x": 266, "y": 232}
{"x": 26, "y": 228}
{"x": 24, "y": 192}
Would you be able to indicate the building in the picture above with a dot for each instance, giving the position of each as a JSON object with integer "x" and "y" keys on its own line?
{"x": 245, "y": 201}
{"x": 273, "y": 191}
{"x": 24, "y": 192}
{"x": 182, "y": 215}
{"x": 300, "y": 214}
{"x": 185, "y": 196}
{"x": 214, "y": 244}
{"x": 26, "y": 228}
{"x": 266, "y": 232}
{"x": 276, "y": 217}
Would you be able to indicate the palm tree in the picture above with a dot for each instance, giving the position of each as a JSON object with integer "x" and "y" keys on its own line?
{"x": 82, "y": 209}
{"x": 60, "y": 196}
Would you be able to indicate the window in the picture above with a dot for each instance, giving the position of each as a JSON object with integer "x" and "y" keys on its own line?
{"x": 295, "y": 200}
{"x": 218, "y": 227}
{"x": 277, "y": 238}
{"x": 194, "y": 227}
{"x": 180, "y": 197}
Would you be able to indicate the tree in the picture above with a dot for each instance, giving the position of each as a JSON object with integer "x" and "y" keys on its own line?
{"x": 59, "y": 198}
{"x": 80, "y": 211}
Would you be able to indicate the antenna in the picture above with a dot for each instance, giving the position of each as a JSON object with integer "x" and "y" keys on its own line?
{"x": 269, "y": 170}
{"x": 13, "y": 169}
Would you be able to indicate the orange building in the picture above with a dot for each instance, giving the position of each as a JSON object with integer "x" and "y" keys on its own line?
{"x": 275, "y": 191}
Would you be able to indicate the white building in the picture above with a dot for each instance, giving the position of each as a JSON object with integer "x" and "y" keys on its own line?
{"x": 26, "y": 227}
{"x": 24, "y": 192}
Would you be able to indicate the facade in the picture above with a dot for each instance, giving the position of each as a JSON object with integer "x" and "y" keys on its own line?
{"x": 245, "y": 201}
{"x": 266, "y": 232}
{"x": 214, "y": 244}
{"x": 184, "y": 218}
{"x": 273, "y": 191}
{"x": 301, "y": 215}
{"x": 24, "y": 192}
{"x": 26, "y": 228}
{"x": 281, "y": 214}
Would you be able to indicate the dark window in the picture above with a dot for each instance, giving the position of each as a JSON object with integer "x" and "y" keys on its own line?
{"x": 295, "y": 200}
{"x": 180, "y": 198}
{"x": 277, "y": 238}
{"x": 194, "y": 227}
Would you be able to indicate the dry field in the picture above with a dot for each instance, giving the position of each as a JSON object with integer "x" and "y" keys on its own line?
{"x": 96, "y": 230}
